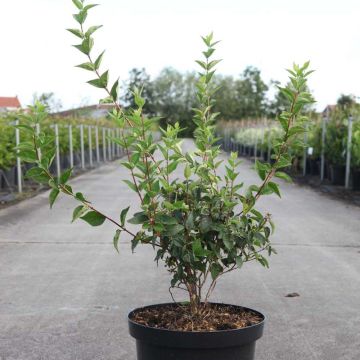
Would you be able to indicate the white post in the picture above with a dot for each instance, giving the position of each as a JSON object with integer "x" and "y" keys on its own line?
{"x": 348, "y": 153}
{"x": 256, "y": 142}
{"x": 104, "y": 144}
{"x": 109, "y": 145}
{"x": 305, "y": 151}
{"x": 82, "y": 146}
{"x": 37, "y": 127}
{"x": 57, "y": 150}
{"x": 262, "y": 143}
{"x": 71, "y": 150}
{"x": 113, "y": 147}
{"x": 97, "y": 144}
{"x": 323, "y": 135}
{"x": 117, "y": 145}
{"x": 269, "y": 147}
{"x": 18, "y": 160}
{"x": 90, "y": 145}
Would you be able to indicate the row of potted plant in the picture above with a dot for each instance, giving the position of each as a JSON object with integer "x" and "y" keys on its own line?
{"x": 8, "y": 176}
{"x": 260, "y": 138}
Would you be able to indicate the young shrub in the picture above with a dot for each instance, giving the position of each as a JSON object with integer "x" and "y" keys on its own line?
{"x": 204, "y": 225}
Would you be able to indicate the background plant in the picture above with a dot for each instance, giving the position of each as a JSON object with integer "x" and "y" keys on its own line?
{"x": 204, "y": 225}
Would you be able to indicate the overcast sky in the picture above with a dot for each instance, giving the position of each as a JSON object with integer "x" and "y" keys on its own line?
{"x": 36, "y": 52}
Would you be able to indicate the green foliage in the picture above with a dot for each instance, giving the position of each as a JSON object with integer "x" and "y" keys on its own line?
{"x": 7, "y": 135}
{"x": 335, "y": 142}
{"x": 203, "y": 225}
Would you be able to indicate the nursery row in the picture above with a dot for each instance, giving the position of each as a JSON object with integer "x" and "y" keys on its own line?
{"x": 330, "y": 152}
{"x": 79, "y": 144}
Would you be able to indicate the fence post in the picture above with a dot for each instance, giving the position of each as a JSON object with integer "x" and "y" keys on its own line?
{"x": 57, "y": 151}
{"x": 18, "y": 160}
{"x": 113, "y": 144}
{"x": 71, "y": 150}
{"x": 97, "y": 144}
{"x": 348, "y": 153}
{"x": 323, "y": 134}
{"x": 90, "y": 145}
{"x": 82, "y": 146}
{"x": 262, "y": 143}
{"x": 109, "y": 145}
{"x": 255, "y": 147}
{"x": 117, "y": 145}
{"x": 37, "y": 128}
{"x": 305, "y": 150}
{"x": 269, "y": 147}
{"x": 104, "y": 144}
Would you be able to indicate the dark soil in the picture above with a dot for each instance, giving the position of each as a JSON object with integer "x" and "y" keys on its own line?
{"x": 212, "y": 317}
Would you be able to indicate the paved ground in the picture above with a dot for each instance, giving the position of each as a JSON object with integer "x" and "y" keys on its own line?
{"x": 65, "y": 292}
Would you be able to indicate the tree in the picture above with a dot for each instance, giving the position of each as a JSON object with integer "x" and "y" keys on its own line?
{"x": 138, "y": 78}
{"x": 175, "y": 98}
{"x": 49, "y": 100}
{"x": 251, "y": 93}
{"x": 227, "y": 101}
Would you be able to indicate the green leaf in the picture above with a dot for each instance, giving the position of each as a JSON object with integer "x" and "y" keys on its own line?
{"x": 87, "y": 66}
{"x": 98, "y": 60}
{"x": 53, "y": 195}
{"x": 139, "y": 218}
{"x": 65, "y": 176}
{"x": 86, "y": 46}
{"x": 116, "y": 239}
{"x": 91, "y": 30}
{"x": 215, "y": 270}
{"x": 239, "y": 261}
{"x": 78, "y": 212}
{"x": 130, "y": 184}
{"x": 114, "y": 90}
{"x": 100, "y": 82}
{"x": 37, "y": 173}
{"x": 205, "y": 224}
{"x": 166, "y": 219}
{"x": 189, "y": 223}
{"x": 172, "y": 166}
{"x": 80, "y": 17}
{"x": 174, "y": 229}
{"x": 284, "y": 176}
{"x": 260, "y": 238}
{"x": 197, "y": 248}
{"x": 27, "y": 128}
{"x": 81, "y": 197}
{"x": 123, "y": 215}
{"x": 78, "y": 4}
{"x": 284, "y": 161}
{"x": 27, "y": 156}
{"x": 272, "y": 226}
{"x": 76, "y": 32}
{"x": 187, "y": 171}
{"x": 93, "y": 218}
{"x": 275, "y": 188}
{"x": 90, "y": 6}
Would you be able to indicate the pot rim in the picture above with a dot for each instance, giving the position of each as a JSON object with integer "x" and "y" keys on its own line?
{"x": 261, "y": 323}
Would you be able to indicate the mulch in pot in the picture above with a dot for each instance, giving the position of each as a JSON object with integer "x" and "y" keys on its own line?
{"x": 212, "y": 317}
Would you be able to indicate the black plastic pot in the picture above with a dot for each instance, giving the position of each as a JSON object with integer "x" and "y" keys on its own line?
{"x": 337, "y": 173}
{"x": 312, "y": 167}
{"x": 161, "y": 344}
{"x": 356, "y": 179}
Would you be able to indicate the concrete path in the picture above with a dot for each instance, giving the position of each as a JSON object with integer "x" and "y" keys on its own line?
{"x": 65, "y": 292}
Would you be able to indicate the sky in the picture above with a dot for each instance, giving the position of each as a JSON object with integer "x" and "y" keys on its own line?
{"x": 37, "y": 56}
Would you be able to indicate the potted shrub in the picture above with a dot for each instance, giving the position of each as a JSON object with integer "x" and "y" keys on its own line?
{"x": 314, "y": 142}
{"x": 335, "y": 147}
{"x": 201, "y": 227}
{"x": 355, "y": 158}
